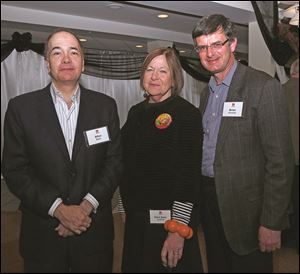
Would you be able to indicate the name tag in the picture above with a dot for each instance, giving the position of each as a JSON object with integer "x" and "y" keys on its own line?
{"x": 232, "y": 109}
{"x": 96, "y": 136}
{"x": 159, "y": 216}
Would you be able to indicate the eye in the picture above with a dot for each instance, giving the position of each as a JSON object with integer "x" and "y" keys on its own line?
{"x": 217, "y": 44}
{"x": 74, "y": 52}
{"x": 149, "y": 69}
{"x": 55, "y": 53}
{"x": 163, "y": 71}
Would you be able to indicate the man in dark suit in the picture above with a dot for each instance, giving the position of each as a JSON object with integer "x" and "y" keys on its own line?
{"x": 247, "y": 162}
{"x": 62, "y": 159}
{"x": 290, "y": 237}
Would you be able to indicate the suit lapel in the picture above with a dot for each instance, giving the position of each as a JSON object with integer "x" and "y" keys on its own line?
{"x": 234, "y": 95}
{"x": 52, "y": 122}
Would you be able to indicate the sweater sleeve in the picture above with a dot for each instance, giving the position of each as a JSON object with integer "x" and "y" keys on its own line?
{"x": 181, "y": 212}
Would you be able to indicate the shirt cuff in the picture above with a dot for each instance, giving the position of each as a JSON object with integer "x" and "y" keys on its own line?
{"x": 56, "y": 203}
{"x": 120, "y": 207}
{"x": 181, "y": 212}
{"x": 89, "y": 197}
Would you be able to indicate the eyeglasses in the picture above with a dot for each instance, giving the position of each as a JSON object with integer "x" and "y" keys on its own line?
{"x": 213, "y": 46}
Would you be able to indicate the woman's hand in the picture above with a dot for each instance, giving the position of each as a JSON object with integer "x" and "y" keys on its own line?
{"x": 172, "y": 250}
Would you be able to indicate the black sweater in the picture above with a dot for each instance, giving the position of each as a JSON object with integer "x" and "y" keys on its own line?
{"x": 162, "y": 165}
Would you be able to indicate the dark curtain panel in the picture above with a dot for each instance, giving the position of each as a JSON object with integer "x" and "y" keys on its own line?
{"x": 109, "y": 64}
{"x": 193, "y": 67}
{"x": 20, "y": 42}
{"x": 266, "y": 13}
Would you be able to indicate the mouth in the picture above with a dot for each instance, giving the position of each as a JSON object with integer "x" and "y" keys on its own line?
{"x": 65, "y": 69}
{"x": 212, "y": 61}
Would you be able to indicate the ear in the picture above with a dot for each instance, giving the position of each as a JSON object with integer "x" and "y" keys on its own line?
{"x": 233, "y": 44}
{"x": 47, "y": 65}
{"x": 82, "y": 70}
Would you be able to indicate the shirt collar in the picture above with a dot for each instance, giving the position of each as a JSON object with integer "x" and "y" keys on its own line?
{"x": 227, "y": 80}
{"x": 58, "y": 94}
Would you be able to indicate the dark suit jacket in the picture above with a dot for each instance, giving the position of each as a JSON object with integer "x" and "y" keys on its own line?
{"x": 38, "y": 169}
{"x": 291, "y": 90}
{"x": 253, "y": 164}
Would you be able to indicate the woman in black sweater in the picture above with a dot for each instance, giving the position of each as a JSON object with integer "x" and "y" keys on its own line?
{"x": 162, "y": 148}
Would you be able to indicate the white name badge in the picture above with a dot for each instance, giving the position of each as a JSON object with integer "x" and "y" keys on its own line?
{"x": 159, "y": 216}
{"x": 232, "y": 109}
{"x": 96, "y": 136}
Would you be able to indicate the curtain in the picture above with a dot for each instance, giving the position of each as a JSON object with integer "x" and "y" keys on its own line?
{"x": 113, "y": 64}
{"x": 25, "y": 71}
{"x": 266, "y": 13}
{"x": 20, "y": 42}
{"x": 120, "y": 65}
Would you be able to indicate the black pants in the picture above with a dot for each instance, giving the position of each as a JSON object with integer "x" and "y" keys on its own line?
{"x": 220, "y": 257}
{"x": 95, "y": 263}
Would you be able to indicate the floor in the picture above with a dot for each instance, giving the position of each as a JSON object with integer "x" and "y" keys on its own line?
{"x": 286, "y": 260}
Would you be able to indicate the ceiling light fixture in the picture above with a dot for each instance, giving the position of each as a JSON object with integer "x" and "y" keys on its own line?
{"x": 139, "y": 46}
{"x": 82, "y": 40}
{"x": 162, "y": 16}
{"x": 115, "y": 6}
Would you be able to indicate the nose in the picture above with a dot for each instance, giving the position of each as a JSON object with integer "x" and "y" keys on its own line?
{"x": 66, "y": 59}
{"x": 209, "y": 51}
{"x": 154, "y": 75}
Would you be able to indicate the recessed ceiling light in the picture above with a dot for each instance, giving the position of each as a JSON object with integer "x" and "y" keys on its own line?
{"x": 162, "y": 16}
{"x": 182, "y": 51}
{"x": 139, "y": 46}
{"x": 82, "y": 40}
{"x": 115, "y": 6}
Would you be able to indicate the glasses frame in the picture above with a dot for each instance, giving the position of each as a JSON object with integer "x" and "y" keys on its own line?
{"x": 214, "y": 46}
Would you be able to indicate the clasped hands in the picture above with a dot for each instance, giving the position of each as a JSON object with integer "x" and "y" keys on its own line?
{"x": 74, "y": 219}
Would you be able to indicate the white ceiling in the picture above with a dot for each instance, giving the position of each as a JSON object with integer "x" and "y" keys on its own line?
{"x": 134, "y": 23}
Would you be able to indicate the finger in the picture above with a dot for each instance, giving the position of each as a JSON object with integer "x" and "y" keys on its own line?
{"x": 180, "y": 251}
{"x": 86, "y": 223}
{"x": 176, "y": 258}
{"x": 77, "y": 231}
{"x": 262, "y": 247}
{"x": 163, "y": 255}
{"x": 170, "y": 259}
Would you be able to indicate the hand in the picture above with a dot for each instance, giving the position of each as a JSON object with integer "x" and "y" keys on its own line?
{"x": 73, "y": 217}
{"x": 269, "y": 240}
{"x": 172, "y": 250}
{"x": 86, "y": 206}
{"x": 63, "y": 231}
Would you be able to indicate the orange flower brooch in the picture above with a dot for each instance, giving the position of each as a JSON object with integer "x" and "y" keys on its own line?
{"x": 163, "y": 121}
